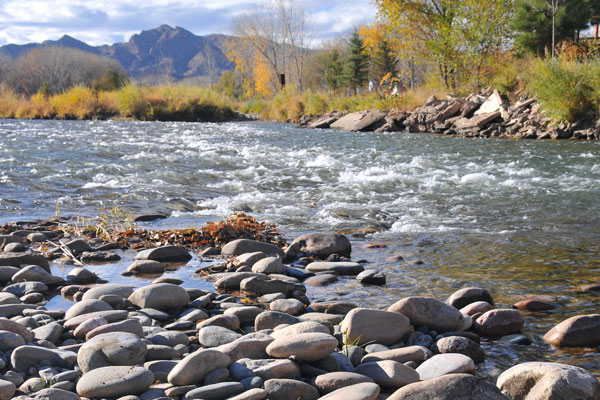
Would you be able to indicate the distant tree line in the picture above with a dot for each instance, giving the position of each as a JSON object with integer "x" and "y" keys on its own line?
{"x": 53, "y": 70}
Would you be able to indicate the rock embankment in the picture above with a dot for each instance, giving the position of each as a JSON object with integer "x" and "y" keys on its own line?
{"x": 485, "y": 114}
{"x": 258, "y": 336}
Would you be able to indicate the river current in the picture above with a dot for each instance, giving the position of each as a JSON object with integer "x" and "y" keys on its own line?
{"x": 515, "y": 217}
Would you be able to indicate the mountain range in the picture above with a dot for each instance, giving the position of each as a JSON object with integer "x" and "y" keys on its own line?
{"x": 175, "y": 53}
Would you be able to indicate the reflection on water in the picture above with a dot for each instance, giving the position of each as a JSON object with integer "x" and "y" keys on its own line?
{"x": 516, "y": 217}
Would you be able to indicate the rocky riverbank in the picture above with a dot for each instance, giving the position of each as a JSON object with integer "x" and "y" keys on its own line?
{"x": 257, "y": 335}
{"x": 485, "y": 114}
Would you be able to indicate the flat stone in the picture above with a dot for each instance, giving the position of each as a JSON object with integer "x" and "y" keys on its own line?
{"x": 253, "y": 345}
{"x": 320, "y": 245}
{"x": 321, "y": 280}
{"x": 246, "y": 315}
{"x": 86, "y": 307}
{"x": 270, "y": 369}
{"x": 303, "y": 346}
{"x": 388, "y": 374}
{"x": 168, "y": 253}
{"x": 268, "y": 265}
{"x": 336, "y": 307}
{"x": 288, "y": 306}
{"x": 461, "y": 345}
{"x": 14, "y": 327}
{"x": 10, "y": 340}
{"x": 533, "y": 305}
{"x": 478, "y": 307}
{"x": 140, "y": 267}
{"x": 548, "y": 381}
{"x": 35, "y": 273}
{"x": 24, "y": 357}
{"x": 23, "y": 288}
{"x": 217, "y": 391}
{"x": 129, "y": 325}
{"x": 111, "y": 349}
{"x": 214, "y": 336}
{"x": 161, "y": 296}
{"x": 287, "y": 389}
{"x": 259, "y": 286}
{"x": 499, "y": 323}
{"x": 301, "y": 327}
{"x": 333, "y": 381}
{"x": 241, "y": 246}
{"x": 194, "y": 367}
{"x": 114, "y": 382}
{"x": 363, "y": 325}
{"x": 449, "y": 387}
{"x": 444, "y": 364}
{"x": 50, "y": 332}
{"x": 231, "y": 281}
{"x": 109, "y": 316}
{"x": 360, "y": 391}
{"x": 401, "y": 355}
{"x": 109, "y": 288}
{"x": 271, "y": 319}
{"x": 341, "y": 268}
{"x": 230, "y": 322}
{"x": 430, "y": 312}
{"x": 578, "y": 331}
{"x": 371, "y": 277}
{"x": 463, "y": 297}
{"x": 81, "y": 275}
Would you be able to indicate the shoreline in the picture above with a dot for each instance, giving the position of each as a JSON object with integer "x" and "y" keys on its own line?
{"x": 421, "y": 344}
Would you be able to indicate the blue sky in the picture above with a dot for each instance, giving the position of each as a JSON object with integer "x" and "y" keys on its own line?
{"x": 107, "y": 21}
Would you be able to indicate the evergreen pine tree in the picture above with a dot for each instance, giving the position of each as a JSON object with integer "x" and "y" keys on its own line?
{"x": 334, "y": 72}
{"x": 357, "y": 63}
{"x": 385, "y": 62}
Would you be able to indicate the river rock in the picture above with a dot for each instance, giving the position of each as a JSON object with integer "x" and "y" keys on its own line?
{"x": 81, "y": 276}
{"x": 10, "y": 340}
{"x": 14, "y": 327}
{"x": 466, "y": 296}
{"x": 271, "y": 319}
{"x": 335, "y": 307}
{"x": 217, "y": 391}
{"x": 86, "y": 307}
{"x": 82, "y": 330}
{"x": 6, "y": 239}
{"x": 287, "y": 389}
{"x": 128, "y": 325}
{"x": 160, "y": 352}
{"x": 268, "y": 265}
{"x": 111, "y": 349}
{"x": 321, "y": 280}
{"x": 109, "y": 288}
{"x": 461, "y": 345}
{"x": 114, "y": 382}
{"x": 499, "y": 323}
{"x": 320, "y": 245}
{"x": 288, "y": 306}
{"x": 253, "y": 345}
{"x": 303, "y": 346}
{"x": 168, "y": 253}
{"x": 230, "y": 322}
{"x": 78, "y": 246}
{"x": 388, "y": 374}
{"x": 140, "y": 267}
{"x": 371, "y": 277}
{"x": 7, "y": 389}
{"x": 578, "y": 331}
{"x": 444, "y": 364}
{"x": 401, "y": 355}
{"x": 260, "y": 286}
{"x": 24, "y": 357}
{"x": 340, "y": 267}
{"x": 50, "y": 332}
{"x": 169, "y": 338}
{"x": 109, "y": 316}
{"x": 449, "y": 387}
{"x": 478, "y": 307}
{"x": 301, "y": 327}
{"x": 360, "y": 391}
{"x": 363, "y": 325}
{"x": 246, "y": 315}
{"x": 430, "y": 312}
{"x": 194, "y": 367}
{"x": 161, "y": 296}
{"x": 35, "y": 273}
{"x": 548, "y": 381}
{"x": 333, "y": 381}
{"x": 251, "y": 394}
{"x": 6, "y": 273}
{"x": 54, "y": 393}
{"x": 214, "y": 336}
{"x": 241, "y": 246}
{"x": 268, "y": 369}
{"x": 232, "y": 280}
{"x": 533, "y": 305}
{"x": 23, "y": 288}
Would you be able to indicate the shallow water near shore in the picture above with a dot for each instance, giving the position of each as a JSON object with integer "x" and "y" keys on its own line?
{"x": 515, "y": 217}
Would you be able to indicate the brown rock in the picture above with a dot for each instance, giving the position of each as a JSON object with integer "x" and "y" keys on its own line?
{"x": 578, "y": 331}
{"x": 363, "y": 325}
{"x": 499, "y": 323}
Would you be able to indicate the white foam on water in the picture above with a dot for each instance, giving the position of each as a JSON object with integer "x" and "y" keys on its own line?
{"x": 477, "y": 178}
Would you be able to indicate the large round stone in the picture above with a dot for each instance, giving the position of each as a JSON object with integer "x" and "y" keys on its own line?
{"x": 193, "y": 368}
{"x": 321, "y": 245}
{"x": 444, "y": 364}
{"x": 213, "y": 336}
{"x": 548, "y": 381}
{"x": 461, "y": 345}
{"x": 401, "y": 355}
{"x": 578, "y": 331}
{"x": 161, "y": 296}
{"x": 303, "y": 346}
{"x": 86, "y": 307}
{"x": 10, "y": 340}
{"x": 388, "y": 374}
{"x": 301, "y": 327}
{"x": 34, "y": 273}
{"x": 114, "y": 382}
{"x": 140, "y": 267}
{"x": 466, "y": 296}
{"x": 333, "y": 381}
{"x": 449, "y": 387}
{"x": 268, "y": 265}
{"x": 24, "y": 357}
{"x": 109, "y": 288}
{"x": 7, "y": 389}
{"x": 360, "y": 391}
{"x": 499, "y": 322}
{"x": 341, "y": 268}
{"x": 430, "y": 312}
{"x": 241, "y": 246}
{"x": 168, "y": 253}
{"x": 111, "y": 349}
{"x": 287, "y": 389}
{"x": 363, "y": 325}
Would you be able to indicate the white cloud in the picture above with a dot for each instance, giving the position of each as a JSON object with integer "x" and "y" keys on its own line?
{"x": 105, "y": 22}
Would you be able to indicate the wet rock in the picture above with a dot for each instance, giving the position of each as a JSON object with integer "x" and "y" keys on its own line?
{"x": 360, "y": 391}
{"x": 86, "y": 307}
{"x": 216, "y": 391}
{"x": 340, "y": 268}
{"x": 129, "y": 326}
{"x": 548, "y": 381}
{"x": 6, "y": 273}
{"x": 21, "y": 289}
{"x": 449, "y": 387}
{"x": 140, "y": 267}
{"x": 7, "y": 239}
{"x": 226, "y": 321}
{"x": 109, "y": 316}
{"x": 241, "y": 246}
{"x": 114, "y": 382}
{"x": 336, "y": 307}
{"x": 232, "y": 281}
{"x": 78, "y": 246}
{"x": 321, "y": 280}
{"x": 98, "y": 256}
{"x": 333, "y": 381}
{"x": 14, "y": 327}
{"x": 401, "y": 355}
{"x": 149, "y": 217}
{"x": 81, "y": 276}
{"x": 463, "y": 297}
{"x": 166, "y": 279}
{"x": 270, "y": 369}
{"x": 388, "y": 374}
{"x": 363, "y": 325}
{"x": 499, "y": 323}
{"x": 371, "y": 277}
{"x": 430, "y": 312}
{"x": 303, "y": 346}
{"x": 169, "y": 338}
{"x": 109, "y": 288}
{"x": 320, "y": 245}
{"x": 288, "y": 306}
{"x": 165, "y": 254}
{"x": 214, "y": 336}
{"x": 268, "y": 265}
{"x": 260, "y": 286}
{"x": 444, "y": 364}
{"x": 533, "y": 305}
{"x": 111, "y": 349}
{"x": 253, "y": 345}
{"x": 50, "y": 332}
{"x": 197, "y": 365}
{"x": 15, "y": 248}
{"x": 161, "y": 296}
{"x": 461, "y": 345}
{"x": 10, "y": 340}
{"x": 478, "y": 307}
{"x": 24, "y": 357}
{"x": 34, "y": 273}
{"x": 578, "y": 331}
{"x": 248, "y": 259}
{"x": 246, "y": 315}
{"x": 286, "y": 389}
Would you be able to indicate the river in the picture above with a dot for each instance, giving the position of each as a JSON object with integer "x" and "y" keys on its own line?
{"x": 514, "y": 217}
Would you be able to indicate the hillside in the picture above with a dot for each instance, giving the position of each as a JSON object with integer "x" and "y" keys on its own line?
{"x": 165, "y": 52}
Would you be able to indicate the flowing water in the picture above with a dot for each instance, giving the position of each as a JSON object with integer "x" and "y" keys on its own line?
{"x": 515, "y": 217}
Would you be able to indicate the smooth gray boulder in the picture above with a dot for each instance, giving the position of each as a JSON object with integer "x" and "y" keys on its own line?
{"x": 214, "y": 336}
{"x": 15, "y": 327}
{"x": 10, "y": 340}
{"x": 114, "y": 382}
{"x": 141, "y": 267}
{"x": 27, "y": 356}
{"x": 241, "y": 246}
{"x": 161, "y": 296}
{"x": 360, "y": 391}
{"x": 194, "y": 367}
{"x": 108, "y": 288}
{"x": 287, "y": 389}
{"x": 449, "y": 387}
{"x": 111, "y": 349}
{"x": 363, "y": 325}
{"x": 35, "y": 273}
{"x": 253, "y": 345}
{"x": 268, "y": 265}
{"x": 86, "y": 307}
{"x": 217, "y": 391}
{"x": 81, "y": 276}
{"x": 340, "y": 267}
{"x": 444, "y": 364}
{"x": 7, "y": 272}
{"x": 320, "y": 245}
{"x": 232, "y": 280}
{"x": 7, "y": 389}
{"x": 388, "y": 374}
{"x": 23, "y": 288}
{"x": 303, "y": 346}
{"x": 168, "y": 253}
{"x": 109, "y": 316}
{"x": 50, "y": 332}
{"x": 430, "y": 312}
